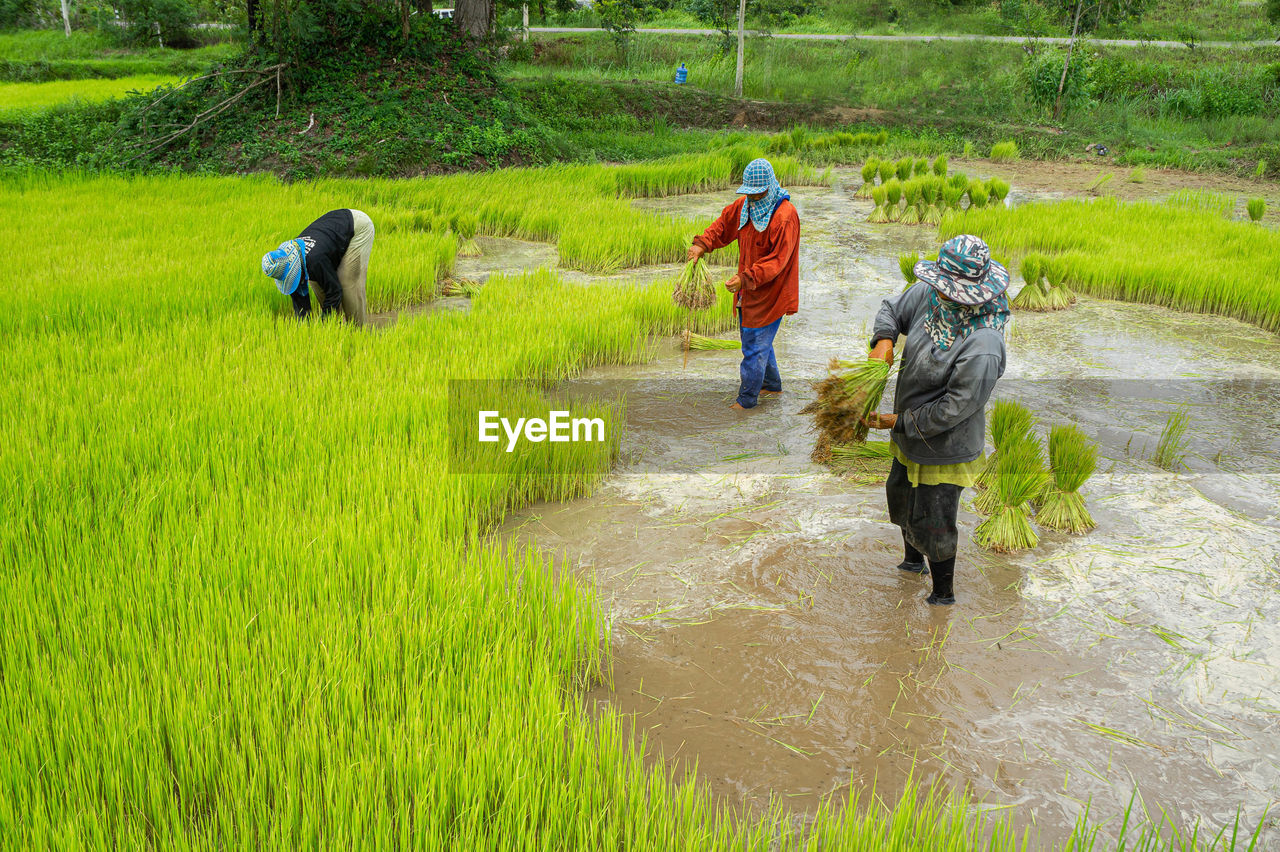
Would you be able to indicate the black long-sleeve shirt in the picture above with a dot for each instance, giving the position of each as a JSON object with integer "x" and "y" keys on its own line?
{"x": 327, "y": 239}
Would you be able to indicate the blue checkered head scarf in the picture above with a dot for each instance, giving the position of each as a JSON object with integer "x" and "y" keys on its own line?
{"x": 759, "y": 177}
{"x": 286, "y": 264}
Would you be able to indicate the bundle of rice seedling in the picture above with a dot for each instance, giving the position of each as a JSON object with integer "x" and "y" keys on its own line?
{"x": 907, "y": 264}
{"x": 693, "y": 288}
{"x": 1032, "y": 296}
{"x": 869, "y": 169}
{"x": 998, "y": 189}
{"x": 1009, "y": 421}
{"x": 866, "y": 463}
{"x": 465, "y": 225}
{"x": 1072, "y": 460}
{"x": 894, "y": 189}
{"x": 690, "y": 340}
{"x": 1004, "y": 152}
{"x": 940, "y": 165}
{"x": 1019, "y": 477}
{"x": 959, "y": 181}
{"x": 1171, "y": 451}
{"x": 886, "y": 170}
{"x": 459, "y": 287}
{"x": 904, "y": 167}
{"x": 851, "y": 391}
{"x": 930, "y": 191}
{"x": 1257, "y": 208}
{"x": 922, "y": 166}
{"x": 879, "y": 214}
{"x": 951, "y": 195}
{"x": 912, "y": 191}
{"x": 978, "y": 193}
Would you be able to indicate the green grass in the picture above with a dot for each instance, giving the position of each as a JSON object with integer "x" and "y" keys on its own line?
{"x": 1183, "y": 256}
{"x": 22, "y": 97}
{"x": 43, "y": 55}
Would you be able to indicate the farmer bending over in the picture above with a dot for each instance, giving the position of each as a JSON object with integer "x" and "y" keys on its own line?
{"x": 333, "y": 252}
{"x": 954, "y": 320}
{"x": 767, "y": 227}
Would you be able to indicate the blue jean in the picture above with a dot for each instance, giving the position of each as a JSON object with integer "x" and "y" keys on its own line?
{"x": 759, "y": 364}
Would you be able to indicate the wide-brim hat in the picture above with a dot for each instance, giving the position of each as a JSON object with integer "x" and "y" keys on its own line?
{"x": 757, "y": 177}
{"x": 285, "y": 264}
{"x": 964, "y": 272}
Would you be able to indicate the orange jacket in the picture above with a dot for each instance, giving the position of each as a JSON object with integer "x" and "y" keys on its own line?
{"x": 768, "y": 263}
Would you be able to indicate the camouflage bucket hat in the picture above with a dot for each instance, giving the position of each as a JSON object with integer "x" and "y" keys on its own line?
{"x": 964, "y": 272}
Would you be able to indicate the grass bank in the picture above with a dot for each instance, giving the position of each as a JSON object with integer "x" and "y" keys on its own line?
{"x": 37, "y": 56}
{"x": 16, "y": 98}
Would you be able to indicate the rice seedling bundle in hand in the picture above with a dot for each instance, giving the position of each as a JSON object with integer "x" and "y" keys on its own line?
{"x": 869, "y": 169}
{"x": 1019, "y": 478}
{"x": 1257, "y": 208}
{"x": 465, "y": 225}
{"x": 907, "y": 264}
{"x": 1009, "y": 421}
{"x": 1072, "y": 460}
{"x": 690, "y": 340}
{"x": 880, "y": 213}
{"x": 693, "y": 288}
{"x": 851, "y": 391}
{"x": 904, "y": 168}
{"x": 940, "y": 165}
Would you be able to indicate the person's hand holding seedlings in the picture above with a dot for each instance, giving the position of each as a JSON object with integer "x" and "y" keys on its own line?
{"x": 883, "y": 350}
{"x": 880, "y": 421}
{"x": 696, "y": 251}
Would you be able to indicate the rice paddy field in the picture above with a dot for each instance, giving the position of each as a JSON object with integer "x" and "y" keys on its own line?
{"x": 16, "y": 98}
{"x": 256, "y": 598}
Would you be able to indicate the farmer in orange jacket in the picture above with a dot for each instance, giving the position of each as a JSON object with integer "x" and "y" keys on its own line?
{"x": 767, "y": 287}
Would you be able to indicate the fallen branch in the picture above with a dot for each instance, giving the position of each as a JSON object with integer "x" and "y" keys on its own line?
{"x": 212, "y": 112}
{"x": 310, "y": 124}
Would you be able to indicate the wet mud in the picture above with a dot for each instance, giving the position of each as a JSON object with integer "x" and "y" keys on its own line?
{"x": 760, "y": 632}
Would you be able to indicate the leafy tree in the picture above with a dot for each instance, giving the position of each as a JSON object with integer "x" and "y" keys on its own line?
{"x": 619, "y": 17}
{"x": 1097, "y": 12}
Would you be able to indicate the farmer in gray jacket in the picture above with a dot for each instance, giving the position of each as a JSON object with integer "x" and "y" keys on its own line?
{"x": 954, "y": 319}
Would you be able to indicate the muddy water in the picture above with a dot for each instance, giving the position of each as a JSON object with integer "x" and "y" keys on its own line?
{"x": 760, "y": 632}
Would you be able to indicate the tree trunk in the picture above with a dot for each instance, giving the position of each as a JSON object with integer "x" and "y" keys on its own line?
{"x": 66, "y": 16}
{"x": 405, "y": 11}
{"x": 524, "y": 14}
{"x": 742, "y": 25}
{"x": 1071, "y": 46}
{"x": 474, "y": 17}
{"x": 255, "y": 23}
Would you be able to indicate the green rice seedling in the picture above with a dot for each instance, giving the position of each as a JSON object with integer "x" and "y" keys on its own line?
{"x": 1261, "y": 171}
{"x": 869, "y": 169}
{"x": 851, "y": 391}
{"x": 1032, "y": 296}
{"x": 1257, "y": 208}
{"x": 1203, "y": 201}
{"x": 921, "y": 166}
{"x": 1171, "y": 449}
{"x": 1008, "y": 421}
{"x": 907, "y": 265}
{"x": 465, "y": 225}
{"x": 999, "y": 189}
{"x": 880, "y": 213}
{"x": 693, "y": 288}
{"x": 931, "y": 191}
{"x": 978, "y": 193}
{"x": 912, "y": 193}
{"x": 1100, "y": 183}
{"x": 940, "y": 165}
{"x": 894, "y": 190}
{"x": 959, "y": 181}
{"x": 689, "y": 340}
{"x": 1059, "y": 298}
{"x": 1138, "y": 175}
{"x": 1004, "y": 152}
{"x": 887, "y": 170}
{"x": 1157, "y": 253}
{"x": 952, "y": 195}
{"x": 1019, "y": 478}
{"x": 904, "y": 167}
{"x": 1072, "y": 460}
{"x": 865, "y": 463}
{"x": 459, "y": 287}
{"x": 967, "y": 152}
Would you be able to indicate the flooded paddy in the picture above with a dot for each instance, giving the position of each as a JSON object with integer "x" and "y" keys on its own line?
{"x": 760, "y": 632}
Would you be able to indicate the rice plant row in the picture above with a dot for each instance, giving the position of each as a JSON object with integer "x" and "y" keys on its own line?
{"x": 917, "y": 192}
{"x": 1182, "y": 257}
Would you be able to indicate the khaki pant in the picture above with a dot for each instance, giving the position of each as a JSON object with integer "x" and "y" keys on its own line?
{"x": 354, "y": 268}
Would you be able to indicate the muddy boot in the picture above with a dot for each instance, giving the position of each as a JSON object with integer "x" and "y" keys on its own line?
{"x": 913, "y": 561}
{"x": 943, "y": 570}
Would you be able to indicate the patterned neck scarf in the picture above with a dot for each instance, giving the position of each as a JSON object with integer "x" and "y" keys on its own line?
{"x": 949, "y": 322}
{"x": 760, "y": 212}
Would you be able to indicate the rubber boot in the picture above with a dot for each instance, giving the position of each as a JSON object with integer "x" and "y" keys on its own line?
{"x": 943, "y": 571}
{"x": 913, "y": 561}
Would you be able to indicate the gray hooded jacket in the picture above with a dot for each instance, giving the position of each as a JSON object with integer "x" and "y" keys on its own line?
{"x": 941, "y": 396}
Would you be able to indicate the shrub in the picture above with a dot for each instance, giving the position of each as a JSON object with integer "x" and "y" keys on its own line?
{"x": 1042, "y": 72}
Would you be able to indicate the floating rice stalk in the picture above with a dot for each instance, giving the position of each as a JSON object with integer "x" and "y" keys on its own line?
{"x": 851, "y": 391}
{"x": 689, "y": 340}
{"x": 1257, "y": 208}
{"x": 1004, "y": 152}
{"x": 869, "y": 169}
{"x": 693, "y": 288}
{"x": 1171, "y": 450}
{"x": 1072, "y": 460}
{"x": 1020, "y": 477}
{"x": 459, "y": 287}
